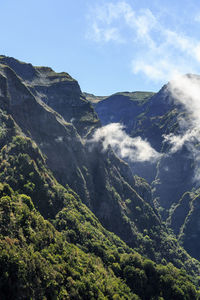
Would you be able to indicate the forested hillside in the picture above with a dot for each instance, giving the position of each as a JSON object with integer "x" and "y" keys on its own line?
{"x": 75, "y": 221}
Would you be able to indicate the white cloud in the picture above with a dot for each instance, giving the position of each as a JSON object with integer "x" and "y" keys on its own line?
{"x": 105, "y": 35}
{"x": 172, "y": 55}
{"x": 161, "y": 53}
{"x": 177, "y": 40}
{"x": 157, "y": 70}
{"x": 177, "y": 141}
{"x": 112, "y": 17}
{"x": 144, "y": 23}
{"x": 102, "y": 22}
{"x": 186, "y": 91}
{"x": 133, "y": 149}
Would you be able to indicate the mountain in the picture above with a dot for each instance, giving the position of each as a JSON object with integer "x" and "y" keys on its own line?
{"x": 115, "y": 107}
{"x": 61, "y": 193}
{"x": 92, "y": 98}
{"x": 172, "y": 176}
{"x": 128, "y": 109}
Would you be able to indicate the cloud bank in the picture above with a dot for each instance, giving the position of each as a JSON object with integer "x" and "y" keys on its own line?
{"x": 126, "y": 147}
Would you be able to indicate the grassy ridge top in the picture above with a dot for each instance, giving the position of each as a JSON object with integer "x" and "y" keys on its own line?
{"x": 133, "y": 96}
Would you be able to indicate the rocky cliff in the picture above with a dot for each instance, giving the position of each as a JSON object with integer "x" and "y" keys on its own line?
{"x": 46, "y": 129}
{"x": 172, "y": 175}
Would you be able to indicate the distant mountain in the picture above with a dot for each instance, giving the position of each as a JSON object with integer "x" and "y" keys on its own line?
{"x": 120, "y": 107}
{"x": 92, "y": 98}
{"x": 173, "y": 175}
{"x": 61, "y": 193}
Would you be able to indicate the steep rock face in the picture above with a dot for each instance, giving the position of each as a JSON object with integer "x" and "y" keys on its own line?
{"x": 184, "y": 220}
{"x": 122, "y": 107}
{"x": 59, "y": 91}
{"x": 179, "y": 212}
{"x": 50, "y": 132}
{"x": 173, "y": 176}
{"x": 150, "y": 117}
{"x": 103, "y": 181}
{"x": 129, "y": 109}
{"x": 190, "y": 231}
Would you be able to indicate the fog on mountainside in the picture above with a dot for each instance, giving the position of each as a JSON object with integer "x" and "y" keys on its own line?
{"x": 169, "y": 122}
{"x": 76, "y": 220}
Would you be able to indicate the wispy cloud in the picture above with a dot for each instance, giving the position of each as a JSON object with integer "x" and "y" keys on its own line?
{"x": 100, "y": 34}
{"x": 185, "y": 90}
{"x": 116, "y": 17}
{"x": 160, "y": 69}
{"x": 103, "y": 26}
{"x": 133, "y": 149}
{"x": 159, "y": 52}
{"x": 178, "y": 141}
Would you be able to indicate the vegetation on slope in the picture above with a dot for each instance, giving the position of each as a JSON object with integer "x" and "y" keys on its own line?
{"x": 42, "y": 254}
{"x": 173, "y": 178}
{"x": 38, "y": 262}
{"x": 73, "y": 257}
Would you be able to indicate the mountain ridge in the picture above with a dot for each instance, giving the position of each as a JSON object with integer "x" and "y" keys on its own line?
{"x": 173, "y": 175}
{"x": 45, "y": 156}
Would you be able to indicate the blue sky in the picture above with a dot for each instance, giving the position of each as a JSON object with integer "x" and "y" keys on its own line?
{"x": 108, "y": 46}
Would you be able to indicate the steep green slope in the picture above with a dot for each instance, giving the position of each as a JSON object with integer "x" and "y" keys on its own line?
{"x": 184, "y": 219}
{"x": 151, "y": 118}
{"x": 24, "y": 168}
{"x": 37, "y": 261}
{"x": 40, "y": 151}
{"x": 173, "y": 175}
